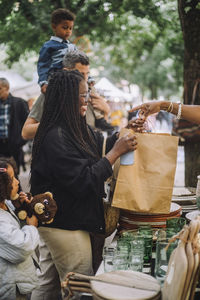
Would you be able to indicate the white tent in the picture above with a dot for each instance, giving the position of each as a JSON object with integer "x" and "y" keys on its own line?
{"x": 20, "y": 87}
{"x": 108, "y": 90}
{"x": 29, "y": 90}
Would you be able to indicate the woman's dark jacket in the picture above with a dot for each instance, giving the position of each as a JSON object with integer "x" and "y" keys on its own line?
{"x": 75, "y": 178}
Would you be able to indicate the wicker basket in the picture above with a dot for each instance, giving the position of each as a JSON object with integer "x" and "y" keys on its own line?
{"x": 111, "y": 216}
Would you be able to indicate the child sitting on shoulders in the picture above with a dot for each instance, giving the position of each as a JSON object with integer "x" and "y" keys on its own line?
{"x": 53, "y": 51}
{"x": 17, "y": 271}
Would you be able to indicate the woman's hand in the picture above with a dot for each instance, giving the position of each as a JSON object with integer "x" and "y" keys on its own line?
{"x": 123, "y": 145}
{"x": 136, "y": 125}
{"x": 147, "y": 109}
{"x": 32, "y": 221}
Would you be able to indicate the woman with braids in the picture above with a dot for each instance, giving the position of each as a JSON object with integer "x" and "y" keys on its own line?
{"x": 67, "y": 161}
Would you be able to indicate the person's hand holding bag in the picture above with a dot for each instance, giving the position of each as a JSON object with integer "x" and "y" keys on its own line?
{"x": 126, "y": 143}
{"x": 123, "y": 145}
{"x": 137, "y": 124}
{"x": 150, "y": 108}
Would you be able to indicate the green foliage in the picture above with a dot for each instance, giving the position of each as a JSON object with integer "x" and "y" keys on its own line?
{"x": 132, "y": 39}
{"x": 145, "y": 52}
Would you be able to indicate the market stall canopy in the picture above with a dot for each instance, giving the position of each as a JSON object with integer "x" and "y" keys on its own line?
{"x": 20, "y": 87}
{"x": 111, "y": 92}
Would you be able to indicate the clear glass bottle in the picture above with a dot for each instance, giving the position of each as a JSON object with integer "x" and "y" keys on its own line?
{"x": 198, "y": 192}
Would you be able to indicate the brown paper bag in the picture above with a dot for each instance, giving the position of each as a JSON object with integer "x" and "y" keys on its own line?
{"x": 147, "y": 185}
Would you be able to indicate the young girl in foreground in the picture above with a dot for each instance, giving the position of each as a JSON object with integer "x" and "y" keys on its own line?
{"x": 17, "y": 271}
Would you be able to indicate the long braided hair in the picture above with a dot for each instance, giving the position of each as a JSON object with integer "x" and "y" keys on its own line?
{"x": 61, "y": 107}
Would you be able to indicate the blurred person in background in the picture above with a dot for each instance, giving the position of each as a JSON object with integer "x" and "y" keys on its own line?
{"x": 13, "y": 114}
{"x": 116, "y": 116}
{"x": 95, "y": 117}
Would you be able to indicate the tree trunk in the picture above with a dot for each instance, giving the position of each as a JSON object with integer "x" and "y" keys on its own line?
{"x": 189, "y": 14}
{"x": 153, "y": 90}
{"x": 192, "y": 164}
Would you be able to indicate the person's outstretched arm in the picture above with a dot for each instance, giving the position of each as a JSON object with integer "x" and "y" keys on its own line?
{"x": 32, "y": 122}
{"x": 29, "y": 129}
{"x": 188, "y": 112}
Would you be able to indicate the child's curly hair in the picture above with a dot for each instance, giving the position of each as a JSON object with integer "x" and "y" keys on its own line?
{"x": 60, "y": 15}
{"x": 5, "y": 181}
{"x": 10, "y": 161}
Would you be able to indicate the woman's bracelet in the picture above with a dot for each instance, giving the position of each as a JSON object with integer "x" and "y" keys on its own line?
{"x": 170, "y": 108}
{"x": 178, "y": 116}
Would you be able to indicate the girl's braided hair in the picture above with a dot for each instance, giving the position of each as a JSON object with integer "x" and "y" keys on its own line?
{"x": 5, "y": 181}
{"x": 62, "y": 108}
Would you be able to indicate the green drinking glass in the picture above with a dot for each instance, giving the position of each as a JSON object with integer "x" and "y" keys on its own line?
{"x": 176, "y": 223}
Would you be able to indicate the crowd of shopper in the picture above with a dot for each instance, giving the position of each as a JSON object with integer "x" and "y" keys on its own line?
{"x": 67, "y": 161}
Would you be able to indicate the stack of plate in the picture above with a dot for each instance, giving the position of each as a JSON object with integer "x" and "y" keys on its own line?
{"x": 131, "y": 220}
{"x": 192, "y": 215}
{"x": 185, "y": 198}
